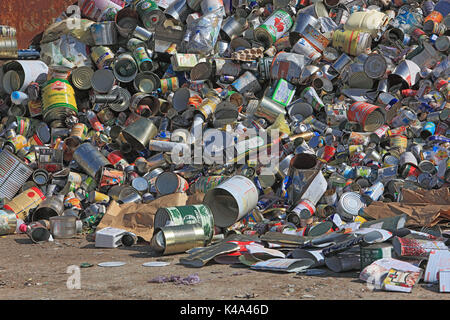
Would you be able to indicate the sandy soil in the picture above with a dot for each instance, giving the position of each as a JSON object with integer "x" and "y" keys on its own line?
{"x": 39, "y": 271}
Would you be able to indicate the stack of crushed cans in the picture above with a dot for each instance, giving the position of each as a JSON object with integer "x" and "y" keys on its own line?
{"x": 292, "y": 118}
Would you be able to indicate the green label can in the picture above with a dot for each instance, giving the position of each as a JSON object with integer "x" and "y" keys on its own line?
{"x": 375, "y": 252}
{"x": 274, "y": 27}
{"x": 200, "y": 214}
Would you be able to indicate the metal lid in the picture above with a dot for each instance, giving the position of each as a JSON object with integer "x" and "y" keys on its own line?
{"x": 81, "y": 77}
{"x": 123, "y": 100}
{"x": 103, "y": 80}
{"x": 111, "y": 264}
{"x": 349, "y": 204}
{"x": 442, "y": 43}
{"x": 140, "y": 184}
{"x": 375, "y": 66}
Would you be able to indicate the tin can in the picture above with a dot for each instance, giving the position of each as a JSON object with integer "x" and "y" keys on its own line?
{"x": 178, "y": 239}
{"x": 185, "y": 215}
{"x": 37, "y": 231}
{"x": 24, "y": 202}
{"x": 274, "y": 27}
{"x": 352, "y": 42}
{"x": 408, "y": 247}
{"x": 59, "y": 101}
{"x": 104, "y": 33}
{"x": 315, "y": 38}
{"x": 90, "y": 159}
{"x": 349, "y": 205}
{"x": 311, "y": 96}
{"x": 13, "y": 174}
{"x": 169, "y": 182}
{"x": 232, "y": 200}
{"x": 428, "y": 130}
{"x": 305, "y": 48}
{"x": 102, "y": 57}
{"x": 287, "y": 65}
{"x": 150, "y": 14}
{"x": 247, "y": 82}
{"x": 170, "y": 84}
{"x": 374, "y": 252}
{"x": 8, "y": 222}
{"x": 368, "y": 115}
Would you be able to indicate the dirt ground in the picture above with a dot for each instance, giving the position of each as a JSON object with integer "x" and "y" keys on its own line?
{"x": 39, "y": 272}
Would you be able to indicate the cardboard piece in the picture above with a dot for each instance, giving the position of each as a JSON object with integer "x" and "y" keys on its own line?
{"x": 423, "y": 207}
{"x": 139, "y": 218}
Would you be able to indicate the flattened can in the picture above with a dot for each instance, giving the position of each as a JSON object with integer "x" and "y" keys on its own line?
{"x": 274, "y": 27}
{"x": 305, "y": 48}
{"x": 288, "y": 65}
{"x": 352, "y": 42}
{"x": 196, "y": 214}
{"x": 375, "y": 252}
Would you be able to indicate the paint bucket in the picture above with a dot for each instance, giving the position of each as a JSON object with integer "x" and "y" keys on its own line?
{"x": 81, "y": 77}
{"x": 24, "y": 202}
{"x": 406, "y": 74}
{"x": 169, "y": 182}
{"x": 125, "y": 68}
{"x": 352, "y": 42}
{"x": 368, "y": 115}
{"x": 146, "y": 82}
{"x": 343, "y": 262}
{"x": 374, "y": 252}
{"x": 102, "y": 57}
{"x": 13, "y": 174}
{"x": 232, "y": 200}
{"x": 178, "y": 239}
{"x": 187, "y": 215}
{"x": 90, "y": 160}
{"x": 104, "y": 33}
{"x": 126, "y": 21}
{"x": 273, "y": 28}
{"x": 349, "y": 205}
{"x": 150, "y": 14}
{"x": 50, "y": 207}
{"x": 20, "y": 73}
{"x": 8, "y": 222}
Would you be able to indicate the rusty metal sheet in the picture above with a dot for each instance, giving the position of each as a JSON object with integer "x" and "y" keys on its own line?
{"x": 31, "y": 17}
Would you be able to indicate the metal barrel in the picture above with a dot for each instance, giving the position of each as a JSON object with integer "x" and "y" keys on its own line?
{"x": 90, "y": 160}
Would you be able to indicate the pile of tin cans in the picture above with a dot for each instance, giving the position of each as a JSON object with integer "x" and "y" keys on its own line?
{"x": 347, "y": 98}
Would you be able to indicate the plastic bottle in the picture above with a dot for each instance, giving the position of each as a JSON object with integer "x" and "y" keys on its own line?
{"x": 18, "y": 97}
